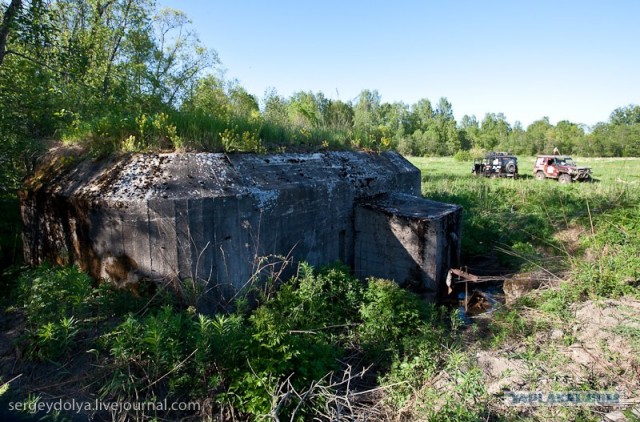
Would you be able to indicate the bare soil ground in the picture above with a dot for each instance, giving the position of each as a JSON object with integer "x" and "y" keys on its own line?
{"x": 596, "y": 351}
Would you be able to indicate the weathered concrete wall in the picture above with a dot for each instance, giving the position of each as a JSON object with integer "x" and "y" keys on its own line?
{"x": 206, "y": 217}
{"x": 411, "y": 240}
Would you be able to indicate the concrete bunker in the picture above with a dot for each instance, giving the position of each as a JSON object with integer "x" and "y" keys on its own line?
{"x": 212, "y": 218}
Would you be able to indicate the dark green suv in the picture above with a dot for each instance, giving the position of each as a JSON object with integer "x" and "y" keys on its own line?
{"x": 496, "y": 164}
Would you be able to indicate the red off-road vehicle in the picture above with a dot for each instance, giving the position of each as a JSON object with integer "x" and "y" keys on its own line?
{"x": 560, "y": 167}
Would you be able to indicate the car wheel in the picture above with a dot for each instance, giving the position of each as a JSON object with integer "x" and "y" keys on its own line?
{"x": 564, "y": 178}
{"x": 540, "y": 175}
{"x": 510, "y": 167}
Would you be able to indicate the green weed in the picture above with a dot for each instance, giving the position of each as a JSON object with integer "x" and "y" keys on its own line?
{"x": 507, "y": 325}
{"x": 463, "y": 399}
{"x": 50, "y": 294}
{"x": 389, "y": 315}
{"x": 54, "y": 339}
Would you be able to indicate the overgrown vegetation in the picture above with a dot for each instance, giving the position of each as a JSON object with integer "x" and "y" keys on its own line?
{"x": 324, "y": 338}
{"x": 122, "y": 76}
{"x": 125, "y": 76}
{"x": 315, "y": 327}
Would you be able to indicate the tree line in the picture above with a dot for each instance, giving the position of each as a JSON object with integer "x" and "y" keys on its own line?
{"x": 125, "y": 75}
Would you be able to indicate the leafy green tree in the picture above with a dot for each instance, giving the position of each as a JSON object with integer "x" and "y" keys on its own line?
{"x": 621, "y": 136}
{"x": 631, "y": 143}
{"x": 594, "y": 144}
{"x": 494, "y": 131}
{"x": 209, "y": 96}
{"x": 9, "y": 15}
{"x": 178, "y": 58}
{"x": 540, "y": 137}
{"x": 275, "y": 108}
{"x": 567, "y": 136}
{"x": 629, "y": 115}
{"x": 469, "y": 132}
{"x": 339, "y": 115}
{"x": 517, "y": 141}
{"x": 444, "y": 109}
{"x": 243, "y": 104}
{"x": 613, "y": 140}
{"x": 366, "y": 118}
{"x": 448, "y": 140}
{"x": 393, "y": 121}
{"x": 306, "y": 110}
{"x": 421, "y": 115}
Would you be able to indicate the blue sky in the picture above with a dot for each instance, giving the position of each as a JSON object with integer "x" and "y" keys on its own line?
{"x": 573, "y": 60}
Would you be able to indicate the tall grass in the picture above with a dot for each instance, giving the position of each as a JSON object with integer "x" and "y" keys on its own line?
{"x": 204, "y": 132}
{"x": 584, "y": 233}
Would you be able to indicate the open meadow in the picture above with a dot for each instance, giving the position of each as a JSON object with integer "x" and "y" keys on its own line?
{"x": 530, "y": 214}
{"x": 580, "y": 244}
{"x": 618, "y": 169}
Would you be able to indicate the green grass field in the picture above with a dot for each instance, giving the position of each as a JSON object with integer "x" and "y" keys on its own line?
{"x": 620, "y": 170}
{"x": 521, "y": 220}
{"x": 584, "y": 237}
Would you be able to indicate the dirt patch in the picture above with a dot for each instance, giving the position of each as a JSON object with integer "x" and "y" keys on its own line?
{"x": 598, "y": 350}
{"x": 501, "y": 372}
{"x": 521, "y": 284}
{"x": 608, "y": 340}
{"x": 569, "y": 239}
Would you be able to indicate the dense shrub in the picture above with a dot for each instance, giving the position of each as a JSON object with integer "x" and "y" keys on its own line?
{"x": 463, "y": 155}
{"x": 291, "y": 341}
{"x": 389, "y": 315}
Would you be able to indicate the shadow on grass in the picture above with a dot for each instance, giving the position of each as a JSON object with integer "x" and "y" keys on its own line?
{"x": 508, "y": 226}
